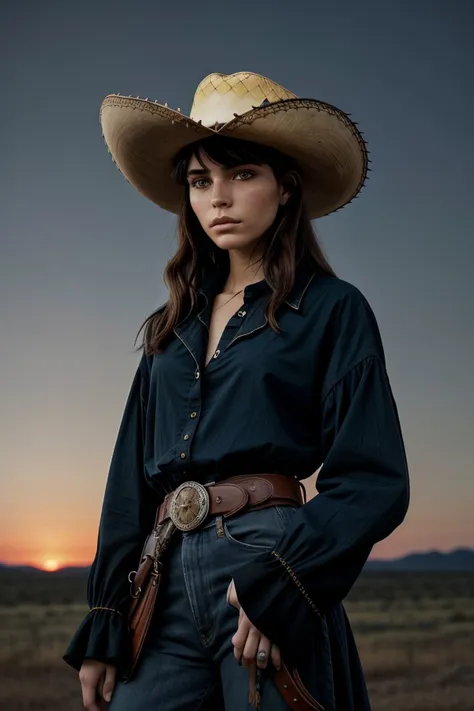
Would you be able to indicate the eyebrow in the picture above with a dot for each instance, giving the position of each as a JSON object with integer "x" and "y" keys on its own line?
{"x": 197, "y": 171}
{"x": 206, "y": 171}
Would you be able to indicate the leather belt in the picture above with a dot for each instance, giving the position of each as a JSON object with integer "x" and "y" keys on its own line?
{"x": 191, "y": 503}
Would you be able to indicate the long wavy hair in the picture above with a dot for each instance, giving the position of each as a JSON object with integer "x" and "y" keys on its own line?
{"x": 290, "y": 239}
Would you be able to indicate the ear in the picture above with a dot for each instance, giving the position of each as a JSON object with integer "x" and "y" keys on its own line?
{"x": 286, "y": 188}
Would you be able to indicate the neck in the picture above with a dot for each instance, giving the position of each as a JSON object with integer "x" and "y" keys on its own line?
{"x": 244, "y": 270}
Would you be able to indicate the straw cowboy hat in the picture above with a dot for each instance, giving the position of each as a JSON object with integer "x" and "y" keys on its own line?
{"x": 143, "y": 136}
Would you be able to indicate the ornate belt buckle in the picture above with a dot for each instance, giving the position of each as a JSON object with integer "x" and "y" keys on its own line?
{"x": 189, "y": 505}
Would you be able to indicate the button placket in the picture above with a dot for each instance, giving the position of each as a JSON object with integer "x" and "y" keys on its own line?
{"x": 232, "y": 328}
{"x": 187, "y": 436}
{"x": 194, "y": 403}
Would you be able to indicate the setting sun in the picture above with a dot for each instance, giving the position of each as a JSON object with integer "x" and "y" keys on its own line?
{"x": 50, "y": 565}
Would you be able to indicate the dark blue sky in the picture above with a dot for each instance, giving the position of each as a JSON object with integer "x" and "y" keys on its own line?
{"x": 82, "y": 253}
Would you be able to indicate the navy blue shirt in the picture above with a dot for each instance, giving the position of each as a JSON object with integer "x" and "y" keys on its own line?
{"x": 315, "y": 393}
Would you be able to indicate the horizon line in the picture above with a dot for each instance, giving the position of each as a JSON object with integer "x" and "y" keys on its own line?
{"x": 426, "y": 551}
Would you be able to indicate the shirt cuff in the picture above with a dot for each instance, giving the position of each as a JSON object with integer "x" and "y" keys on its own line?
{"x": 104, "y": 636}
{"x": 276, "y": 603}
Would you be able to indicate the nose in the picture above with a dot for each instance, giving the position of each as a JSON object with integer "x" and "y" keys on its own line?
{"x": 220, "y": 196}
{"x": 220, "y": 201}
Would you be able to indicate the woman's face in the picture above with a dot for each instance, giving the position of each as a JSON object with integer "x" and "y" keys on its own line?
{"x": 248, "y": 194}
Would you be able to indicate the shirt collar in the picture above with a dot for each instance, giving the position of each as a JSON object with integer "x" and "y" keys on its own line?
{"x": 213, "y": 282}
{"x": 304, "y": 275}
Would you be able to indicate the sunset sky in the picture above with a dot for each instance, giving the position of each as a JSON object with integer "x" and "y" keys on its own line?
{"x": 82, "y": 253}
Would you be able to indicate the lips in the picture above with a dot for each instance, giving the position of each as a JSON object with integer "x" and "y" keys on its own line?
{"x": 224, "y": 221}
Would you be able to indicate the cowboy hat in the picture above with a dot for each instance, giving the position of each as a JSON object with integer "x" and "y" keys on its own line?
{"x": 143, "y": 136}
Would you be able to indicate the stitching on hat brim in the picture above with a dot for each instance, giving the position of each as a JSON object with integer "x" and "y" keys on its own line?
{"x": 286, "y": 104}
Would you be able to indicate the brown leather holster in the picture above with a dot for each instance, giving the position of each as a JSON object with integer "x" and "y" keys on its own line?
{"x": 144, "y": 587}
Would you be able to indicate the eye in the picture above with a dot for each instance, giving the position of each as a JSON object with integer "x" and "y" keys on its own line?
{"x": 245, "y": 172}
{"x": 198, "y": 182}
{"x": 194, "y": 183}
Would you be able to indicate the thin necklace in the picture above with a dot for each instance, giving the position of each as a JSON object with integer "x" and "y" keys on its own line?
{"x": 226, "y": 302}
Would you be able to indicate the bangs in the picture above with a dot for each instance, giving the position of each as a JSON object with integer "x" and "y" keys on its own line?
{"x": 228, "y": 153}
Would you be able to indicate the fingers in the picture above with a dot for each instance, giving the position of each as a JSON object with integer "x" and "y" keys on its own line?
{"x": 89, "y": 694}
{"x": 248, "y": 642}
{"x": 100, "y": 685}
{"x": 97, "y": 680}
{"x": 109, "y": 683}
{"x": 263, "y": 648}
{"x": 240, "y": 637}
{"x": 276, "y": 656}
{"x": 232, "y": 595}
{"x": 251, "y": 647}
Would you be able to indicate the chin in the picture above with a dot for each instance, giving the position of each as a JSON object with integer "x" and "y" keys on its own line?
{"x": 228, "y": 242}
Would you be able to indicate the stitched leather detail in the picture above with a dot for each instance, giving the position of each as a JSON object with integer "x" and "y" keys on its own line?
{"x": 260, "y": 490}
{"x": 226, "y": 493}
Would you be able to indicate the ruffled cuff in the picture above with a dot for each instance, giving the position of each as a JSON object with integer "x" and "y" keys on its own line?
{"x": 104, "y": 636}
{"x": 275, "y": 602}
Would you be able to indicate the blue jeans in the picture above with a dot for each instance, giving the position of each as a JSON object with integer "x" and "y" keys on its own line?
{"x": 188, "y": 661}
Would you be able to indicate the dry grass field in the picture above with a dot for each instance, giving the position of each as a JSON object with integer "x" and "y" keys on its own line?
{"x": 415, "y": 634}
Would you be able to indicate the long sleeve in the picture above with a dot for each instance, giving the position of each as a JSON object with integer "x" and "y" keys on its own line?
{"x": 127, "y": 517}
{"x": 363, "y": 493}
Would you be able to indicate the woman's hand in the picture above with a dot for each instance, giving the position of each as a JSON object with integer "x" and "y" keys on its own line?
{"x": 248, "y": 641}
{"x": 98, "y": 682}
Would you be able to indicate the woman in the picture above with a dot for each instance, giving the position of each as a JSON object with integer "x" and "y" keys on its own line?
{"x": 261, "y": 366}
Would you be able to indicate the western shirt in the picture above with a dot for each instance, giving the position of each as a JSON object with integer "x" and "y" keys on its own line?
{"x": 316, "y": 393}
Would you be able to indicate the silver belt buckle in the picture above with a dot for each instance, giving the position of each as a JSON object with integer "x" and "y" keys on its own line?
{"x": 189, "y": 505}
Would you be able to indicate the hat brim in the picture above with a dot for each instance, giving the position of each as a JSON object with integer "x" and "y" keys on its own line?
{"x": 144, "y": 136}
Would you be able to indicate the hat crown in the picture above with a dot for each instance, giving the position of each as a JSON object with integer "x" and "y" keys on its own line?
{"x": 219, "y": 96}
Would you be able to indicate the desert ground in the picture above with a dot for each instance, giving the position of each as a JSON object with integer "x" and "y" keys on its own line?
{"x": 415, "y": 634}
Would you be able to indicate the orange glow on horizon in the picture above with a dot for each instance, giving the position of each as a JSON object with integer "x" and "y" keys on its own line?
{"x": 50, "y": 565}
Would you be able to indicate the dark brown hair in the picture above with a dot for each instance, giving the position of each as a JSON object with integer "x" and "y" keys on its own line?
{"x": 289, "y": 240}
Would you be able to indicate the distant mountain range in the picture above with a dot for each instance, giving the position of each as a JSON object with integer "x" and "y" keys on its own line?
{"x": 458, "y": 560}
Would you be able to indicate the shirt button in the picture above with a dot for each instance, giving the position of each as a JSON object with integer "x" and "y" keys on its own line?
{"x": 186, "y": 436}
{"x": 197, "y": 374}
{"x": 193, "y": 415}
{"x": 183, "y": 455}
{"x": 241, "y": 314}
{"x": 216, "y": 354}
